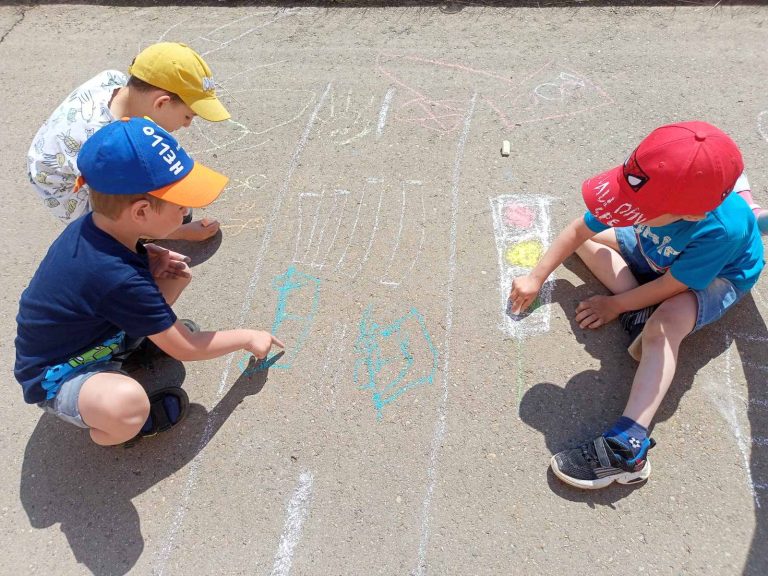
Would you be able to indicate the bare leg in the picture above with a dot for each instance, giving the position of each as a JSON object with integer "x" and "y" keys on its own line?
{"x": 601, "y": 256}
{"x": 114, "y": 406}
{"x": 668, "y": 325}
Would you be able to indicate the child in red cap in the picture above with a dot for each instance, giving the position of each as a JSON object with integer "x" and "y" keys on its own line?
{"x": 665, "y": 235}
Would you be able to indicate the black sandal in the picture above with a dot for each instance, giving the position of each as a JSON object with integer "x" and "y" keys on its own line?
{"x": 167, "y": 407}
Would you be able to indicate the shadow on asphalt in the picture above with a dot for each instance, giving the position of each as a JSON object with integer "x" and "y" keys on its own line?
{"x": 198, "y": 252}
{"x": 66, "y": 479}
{"x": 593, "y": 399}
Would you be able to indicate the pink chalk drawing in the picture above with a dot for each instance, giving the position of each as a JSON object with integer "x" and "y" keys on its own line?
{"x": 518, "y": 216}
{"x": 547, "y": 93}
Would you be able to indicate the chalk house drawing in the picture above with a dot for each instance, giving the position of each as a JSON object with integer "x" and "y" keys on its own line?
{"x": 298, "y": 299}
{"x": 393, "y": 359}
{"x": 521, "y": 230}
{"x": 552, "y": 91}
{"x": 336, "y": 228}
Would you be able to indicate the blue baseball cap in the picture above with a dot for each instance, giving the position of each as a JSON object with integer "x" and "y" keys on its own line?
{"x": 136, "y": 156}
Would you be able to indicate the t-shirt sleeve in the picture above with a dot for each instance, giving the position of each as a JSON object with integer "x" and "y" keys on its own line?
{"x": 702, "y": 261}
{"x": 138, "y": 307}
{"x": 593, "y": 223}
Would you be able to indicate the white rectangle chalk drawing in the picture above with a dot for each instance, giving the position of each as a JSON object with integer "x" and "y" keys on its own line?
{"x": 521, "y": 228}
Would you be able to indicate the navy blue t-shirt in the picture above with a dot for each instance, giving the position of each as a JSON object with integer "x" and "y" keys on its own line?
{"x": 88, "y": 288}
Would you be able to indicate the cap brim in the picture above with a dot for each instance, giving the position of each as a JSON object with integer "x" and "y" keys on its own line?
{"x": 197, "y": 189}
{"x": 210, "y": 109}
{"x": 613, "y": 203}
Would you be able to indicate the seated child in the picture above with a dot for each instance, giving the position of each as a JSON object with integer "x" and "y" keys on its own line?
{"x": 97, "y": 293}
{"x": 664, "y": 234}
{"x": 168, "y": 82}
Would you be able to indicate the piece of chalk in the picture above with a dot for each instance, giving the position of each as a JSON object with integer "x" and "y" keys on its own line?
{"x": 505, "y": 148}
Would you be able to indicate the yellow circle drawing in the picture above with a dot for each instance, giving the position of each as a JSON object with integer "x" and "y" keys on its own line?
{"x": 525, "y": 254}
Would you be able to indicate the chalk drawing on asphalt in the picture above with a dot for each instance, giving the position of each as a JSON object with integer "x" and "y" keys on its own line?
{"x": 346, "y": 120}
{"x": 734, "y": 407}
{"x": 295, "y": 516}
{"x": 298, "y": 299}
{"x": 552, "y": 91}
{"x": 336, "y": 228}
{"x": 394, "y": 358}
{"x": 521, "y": 230}
{"x": 762, "y": 124}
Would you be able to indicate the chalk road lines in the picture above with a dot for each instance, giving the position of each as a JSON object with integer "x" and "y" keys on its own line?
{"x": 296, "y": 514}
{"x": 733, "y": 408}
{"x": 194, "y": 468}
{"x": 439, "y": 434}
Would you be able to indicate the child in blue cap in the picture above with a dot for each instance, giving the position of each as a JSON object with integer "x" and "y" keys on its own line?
{"x": 96, "y": 293}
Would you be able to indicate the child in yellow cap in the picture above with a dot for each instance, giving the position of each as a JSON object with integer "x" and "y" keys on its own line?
{"x": 168, "y": 82}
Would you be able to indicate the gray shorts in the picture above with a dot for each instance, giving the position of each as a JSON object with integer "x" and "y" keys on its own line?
{"x": 65, "y": 404}
{"x": 713, "y": 301}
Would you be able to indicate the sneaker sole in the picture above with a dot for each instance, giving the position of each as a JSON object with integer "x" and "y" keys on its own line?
{"x": 623, "y": 478}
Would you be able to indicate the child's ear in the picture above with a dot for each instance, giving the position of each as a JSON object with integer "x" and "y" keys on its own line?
{"x": 140, "y": 210}
{"x": 161, "y": 101}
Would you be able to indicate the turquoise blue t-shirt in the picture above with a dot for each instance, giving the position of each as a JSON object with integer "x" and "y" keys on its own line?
{"x": 725, "y": 244}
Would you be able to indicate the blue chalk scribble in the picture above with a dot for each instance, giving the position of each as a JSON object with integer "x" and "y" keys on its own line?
{"x": 302, "y": 288}
{"x": 389, "y": 377}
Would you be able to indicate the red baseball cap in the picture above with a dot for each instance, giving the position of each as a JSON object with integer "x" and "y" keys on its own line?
{"x": 683, "y": 168}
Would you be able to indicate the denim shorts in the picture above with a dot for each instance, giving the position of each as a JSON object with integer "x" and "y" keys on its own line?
{"x": 65, "y": 404}
{"x": 713, "y": 301}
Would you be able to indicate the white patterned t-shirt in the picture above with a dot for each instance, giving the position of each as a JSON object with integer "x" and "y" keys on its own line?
{"x": 52, "y": 158}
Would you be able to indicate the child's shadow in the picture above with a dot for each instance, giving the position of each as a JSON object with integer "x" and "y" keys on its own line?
{"x": 593, "y": 399}
{"x": 88, "y": 489}
{"x": 198, "y": 252}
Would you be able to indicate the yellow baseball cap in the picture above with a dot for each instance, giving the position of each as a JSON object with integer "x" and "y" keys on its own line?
{"x": 178, "y": 69}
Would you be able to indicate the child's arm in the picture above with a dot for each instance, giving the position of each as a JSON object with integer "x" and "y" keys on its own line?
{"x": 182, "y": 344}
{"x": 598, "y": 310}
{"x": 525, "y": 288}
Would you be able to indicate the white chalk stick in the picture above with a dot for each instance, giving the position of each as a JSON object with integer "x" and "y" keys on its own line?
{"x": 505, "y": 148}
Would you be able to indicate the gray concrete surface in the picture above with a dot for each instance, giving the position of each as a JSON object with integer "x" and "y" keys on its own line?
{"x": 364, "y": 157}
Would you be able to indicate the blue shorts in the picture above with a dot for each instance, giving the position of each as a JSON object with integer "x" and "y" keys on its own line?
{"x": 65, "y": 404}
{"x": 713, "y": 301}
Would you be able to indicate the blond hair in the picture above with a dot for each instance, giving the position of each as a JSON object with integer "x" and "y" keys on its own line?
{"x": 112, "y": 205}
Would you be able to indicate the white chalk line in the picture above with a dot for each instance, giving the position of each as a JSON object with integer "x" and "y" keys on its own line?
{"x": 298, "y": 510}
{"x": 384, "y": 110}
{"x": 352, "y": 233}
{"x": 405, "y": 273}
{"x": 192, "y": 476}
{"x": 282, "y": 14}
{"x": 733, "y": 418}
{"x": 437, "y": 440}
{"x": 340, "y": 214}
{"x": 760, "y": 129}
{"x": 364, "y": 259}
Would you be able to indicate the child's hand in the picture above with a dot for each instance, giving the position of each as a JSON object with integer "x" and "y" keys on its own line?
{"x": 196, "y": 231}
{"x": 596, "y": 311}
{"x": 261, "y": 343}
{"x": 523, "y": 293}
{"x": 165, "y": 263}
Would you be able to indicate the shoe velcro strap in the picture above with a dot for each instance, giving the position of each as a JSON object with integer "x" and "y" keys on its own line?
{"x": 602, "y": 453}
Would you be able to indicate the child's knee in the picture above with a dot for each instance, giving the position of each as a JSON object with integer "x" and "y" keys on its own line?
{"x": 117, "y": 407}
{"x": 673, "y": 320}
